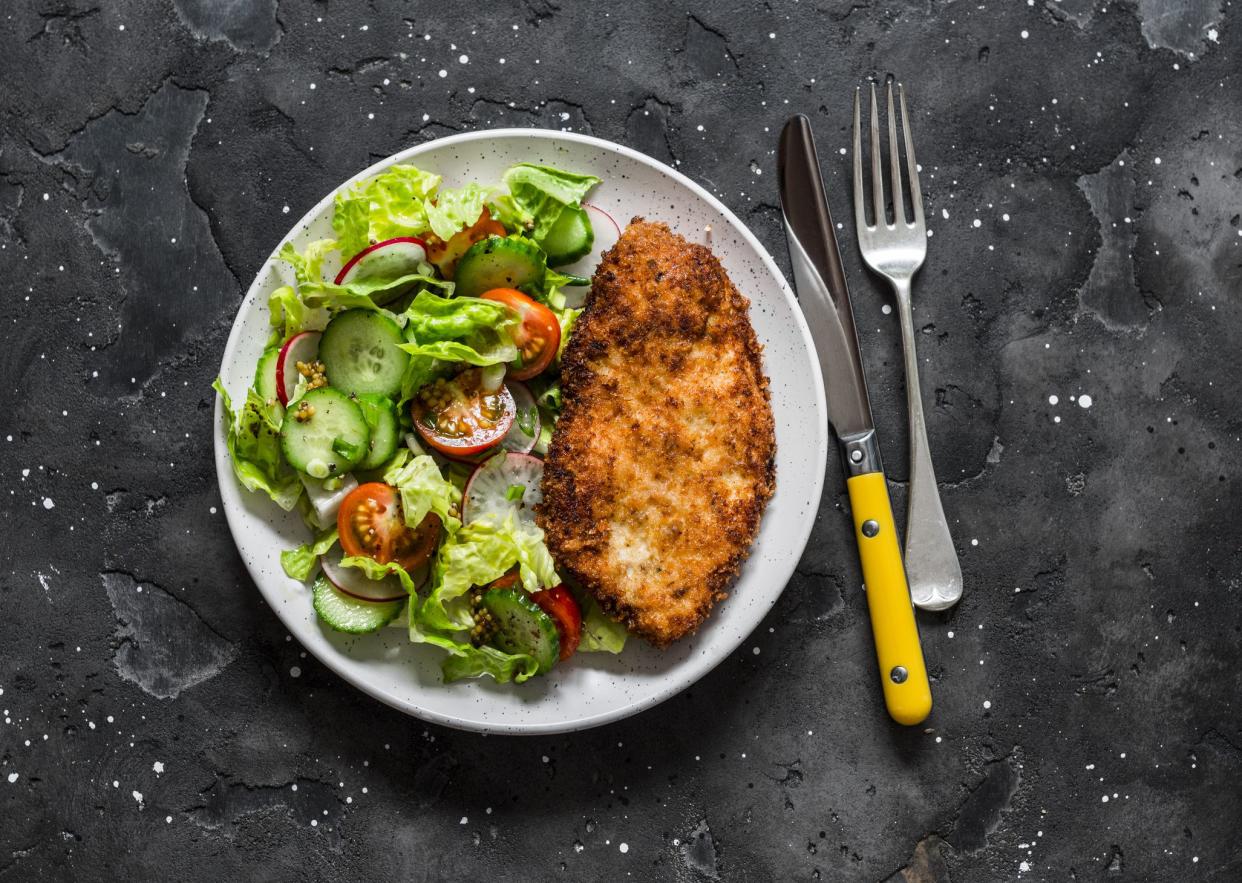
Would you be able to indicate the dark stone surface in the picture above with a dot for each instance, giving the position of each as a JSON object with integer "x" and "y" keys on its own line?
{"x": 1087, "y": 725}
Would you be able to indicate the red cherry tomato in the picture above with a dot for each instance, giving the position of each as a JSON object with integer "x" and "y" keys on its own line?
{"x": 371, "y": 524}
{"x": 464, "y": 416}
{"x": 537, "y": 338}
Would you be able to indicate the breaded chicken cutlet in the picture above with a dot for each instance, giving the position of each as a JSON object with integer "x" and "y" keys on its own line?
{"x": 663, "y": 459}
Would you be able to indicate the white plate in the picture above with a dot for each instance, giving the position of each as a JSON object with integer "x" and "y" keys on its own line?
{"x": 595, "y": 688}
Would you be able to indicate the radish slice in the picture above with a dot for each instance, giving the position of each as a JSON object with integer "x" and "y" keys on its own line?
{"x": 390, "y": 259}
{"x": 490, "y": 487}
{"x": 327, "y": 503}
{"x": 524, "y": 432}
{"x": 600, "y": 213}
{"x": 607, "y": 232}
{"x": 355, "y": 583}
{"x": 302, "y": 347}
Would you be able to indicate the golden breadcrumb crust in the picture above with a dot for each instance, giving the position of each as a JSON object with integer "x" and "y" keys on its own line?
{"x": 663, "y": 459}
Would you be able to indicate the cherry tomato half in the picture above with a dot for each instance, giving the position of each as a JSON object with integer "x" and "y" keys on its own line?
{"x": 559, "y": 603}
{"x": 446, "y": 254}
{"x": 370, "y": 523}
{"x": 466, "y": 415}
{"x": 537, "y": 338}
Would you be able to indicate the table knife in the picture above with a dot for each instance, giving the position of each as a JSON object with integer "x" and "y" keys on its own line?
{"x": 822, "y": 293}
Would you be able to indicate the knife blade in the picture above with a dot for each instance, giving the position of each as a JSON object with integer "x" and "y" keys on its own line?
{"x": 823, "y": 295}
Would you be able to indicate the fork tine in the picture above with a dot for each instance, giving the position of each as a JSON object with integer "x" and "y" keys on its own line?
{"x": 916, "y": 196}
{"x": 894, "y": 161}
{"x": 877, "y": 180}
{"x": 860, "y": 203}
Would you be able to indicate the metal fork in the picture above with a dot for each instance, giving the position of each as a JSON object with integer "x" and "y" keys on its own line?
{"x": 896, "y": 251}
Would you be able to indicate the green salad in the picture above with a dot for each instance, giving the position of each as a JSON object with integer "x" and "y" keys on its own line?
{"x": 403, "y": 404}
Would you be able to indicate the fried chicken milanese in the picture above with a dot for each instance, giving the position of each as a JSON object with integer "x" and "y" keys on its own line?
{"x": 663, "y": 459}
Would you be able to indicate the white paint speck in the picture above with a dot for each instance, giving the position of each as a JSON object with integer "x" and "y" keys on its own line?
{"x": 137, "y": 795}
{"x": 987, "y": 703}
{"x": 443, "y": 72}
{"x": 1085, "y": 401}
{"x": 463, "y": 59}
{"x": 48, "y": 504}
{"x": 158, "y": 767}
{"x": 886, "y": 309}
{"x": 624, "y": 847}
{"x": 1157, "y": 160}
{"x": 976, "y": 223}
{"x": 1052, "y": 400}
{"x": 1025, "y": 34}
{"x": 295, "y": 672}
{"x": 12, "y": 778}
{"x": 755, "y": 650}
{"x": 464, "y": 821}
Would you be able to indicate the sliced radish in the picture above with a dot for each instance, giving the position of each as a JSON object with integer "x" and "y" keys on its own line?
{"x": 607, "y": 232}
{"x": 600, "y": 213}
{"x": 326, "y": 503}
{"x": 488, "y": 490}
{"x": 357, "y": 584}
{"x": 302, "y": 347}
{"x": 524, "y": 432}
{"x": 390, "y": 259}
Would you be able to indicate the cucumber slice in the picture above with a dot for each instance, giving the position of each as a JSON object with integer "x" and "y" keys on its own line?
{"x": 348, "y": 614}
{"x": 332, "y": 440}
{"x": 570, "y": 238}
{"x": 265, "y": 374}
{"x": 521, "y": 627}
{"x": 360, "y": 350}
{"x": 498, "y": 262}
{"x": 381, "y": 419}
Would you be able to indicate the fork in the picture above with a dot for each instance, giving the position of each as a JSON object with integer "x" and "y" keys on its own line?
{"x": 896, "y": 251}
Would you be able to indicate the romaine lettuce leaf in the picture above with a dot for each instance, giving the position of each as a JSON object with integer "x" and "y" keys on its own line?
{"x": 454, "y": 210}
{"x": 423, "y": 490}
{"x": 600, "y": 634}
{"x": 290, "y": 316}
{"x": 308, "y": 263}
{"x": 300, "y": 563}
{"x": 374, "y": 570}
{"x": 538, "y": 196}
{"x": 477, "y": 554}
{"x": 471, "y": 662}
{"x": 388, "y": 205}
{"x": 461, "y": 329}
{"x": 253, "y": 440}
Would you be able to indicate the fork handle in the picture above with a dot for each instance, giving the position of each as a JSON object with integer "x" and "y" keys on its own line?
{"x": 932, "y": 567}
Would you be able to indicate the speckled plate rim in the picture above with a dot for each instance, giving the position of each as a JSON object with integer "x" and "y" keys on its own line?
{"x": 816, "y": 424}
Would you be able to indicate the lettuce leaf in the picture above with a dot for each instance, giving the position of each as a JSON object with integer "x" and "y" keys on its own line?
{"x": 454, "y": 210}
{"x": 538, "y": 195}
{"x": 300, "y": 563}
{"x": 477, "y": 554}
{"x": 308, "y": 263}
{"x": 471, "y": 662}
{"x": 600, "y": 634}
{"x": 461, "y": 329}
{"x": 423, "y": 490}
{"x": 387, "y": 205}
{"x": 290, "y": 316}
{"x": 254, "y": 448}
{"x": 374, "y": 570}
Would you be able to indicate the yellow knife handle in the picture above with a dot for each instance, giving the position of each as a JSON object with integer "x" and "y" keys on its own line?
{"x": 903, "y": 673}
